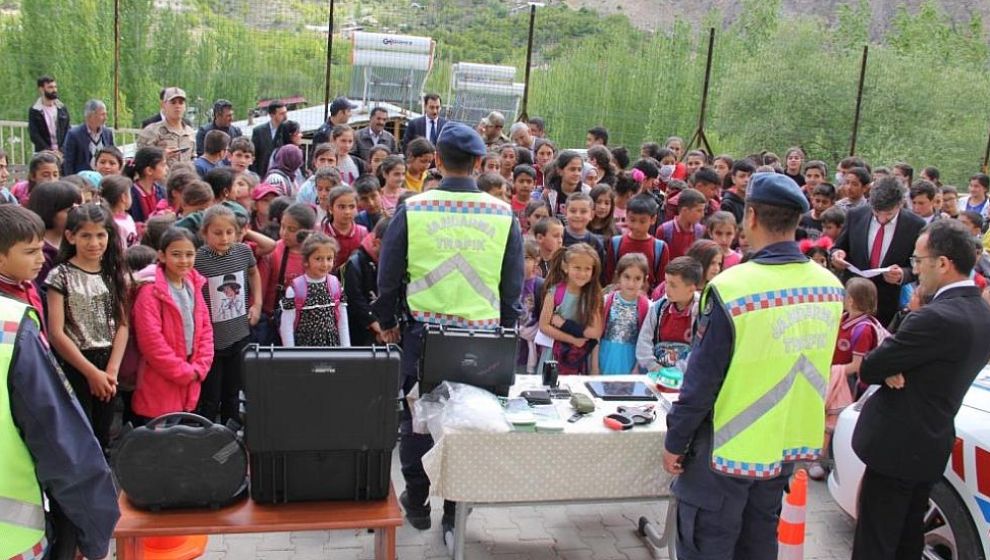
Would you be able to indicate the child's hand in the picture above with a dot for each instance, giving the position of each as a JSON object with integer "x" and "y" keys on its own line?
{"x": 580, "y": 342}
{"x": 375, "y": 328}
{"x": 557, "y": 321}
{"x": 112, "y": 374}
{"x": 100, "y": 386}
{"x": 254, "y": 314}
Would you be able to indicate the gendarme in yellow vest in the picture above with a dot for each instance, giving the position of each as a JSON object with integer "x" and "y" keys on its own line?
{"x": 456, "y": 247}
{"x": 22, "y": 516}
{"x": 771, "y": 408}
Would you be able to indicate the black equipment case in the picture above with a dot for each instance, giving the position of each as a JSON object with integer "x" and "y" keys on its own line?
{"x": 321, "y": 423}
{"x": 181, "y": 460}
{"x": 482, "y": 358}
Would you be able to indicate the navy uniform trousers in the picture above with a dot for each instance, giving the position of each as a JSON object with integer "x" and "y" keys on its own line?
{"x": 721, "y": 517}
{"x": 413, "y": 446}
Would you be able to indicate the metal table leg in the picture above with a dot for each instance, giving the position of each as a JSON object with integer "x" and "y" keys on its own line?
{"x": 460, "y": 526}
{"x": 657, "y": 540}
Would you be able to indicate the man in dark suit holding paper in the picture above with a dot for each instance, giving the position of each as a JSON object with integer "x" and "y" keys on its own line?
{"x": 880, "y": 235}
{"x": 906, "y": 430}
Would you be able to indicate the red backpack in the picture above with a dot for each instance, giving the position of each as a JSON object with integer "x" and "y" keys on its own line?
{"x": 666, "y": 232}
{"x": 300, "y": 289}
{"x": 658, "y": 247}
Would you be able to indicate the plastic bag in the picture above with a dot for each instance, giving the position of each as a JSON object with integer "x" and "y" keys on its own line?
{"x": 459, "y": 407}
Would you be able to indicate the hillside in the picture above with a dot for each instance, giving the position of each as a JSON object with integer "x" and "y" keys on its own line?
{"x": 660, "y": 14}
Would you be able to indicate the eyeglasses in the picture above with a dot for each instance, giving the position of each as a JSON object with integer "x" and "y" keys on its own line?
{"x": 916, "y": 258}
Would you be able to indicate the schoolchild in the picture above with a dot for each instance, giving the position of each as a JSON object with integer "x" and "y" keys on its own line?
{"x": 176, "y": 334}
{"x": 43, "y": 168}
{"x": 535, "y": 211}
{"x": 286, "y": 262}
{"x": 87, "y": 298}
{"x": 832, "y": 221}
{"x": 116, "y": 191}
{"x": 733, "y": 198}
{"x": 671, "y": 317}
{"x": 109, "y": 161}
{"x": 641, "y": 215}
{"x": 324, "y": 181}
{"x": 232, "y": 292}
{"x": 419, "y": 157}
{"x": 339, "y": 224}
{"x": 369, "y": 201}
{"x": 571, "y": 322}
{"x": 680, "y": 232}
{"x": 360, "y": 280}
{"x": 859, "y": 333}
{"x": 324, "y": 157}
{"x": 312, "y": 310}
{"x": 578, "y": 212}
{"x": 529, "y": 321}
{"x": 21, "y": 255}
{"x": 721, "y": 228}
{"x": 603, "y": 220}
{"x": 391, "y": 175}
{"x": 148, "y": 170}
{"x": 523, "y": 182}
{"x": 623, "y": 314}
{"x": 565, "y": 180}
{"x": 52, "y": 202}
{"x": 549, "y": 234}
{"x": 822, "y": 198}
{"x": 706, "y": 252}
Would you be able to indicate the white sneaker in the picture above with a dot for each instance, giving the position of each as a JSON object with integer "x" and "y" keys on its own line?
{"x": 817, "y": 472}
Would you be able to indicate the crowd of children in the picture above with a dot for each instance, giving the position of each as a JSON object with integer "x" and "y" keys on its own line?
{"x": 151, "y": 278}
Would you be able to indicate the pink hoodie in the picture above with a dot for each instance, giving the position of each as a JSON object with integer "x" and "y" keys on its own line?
{"x": 167, "y": 381}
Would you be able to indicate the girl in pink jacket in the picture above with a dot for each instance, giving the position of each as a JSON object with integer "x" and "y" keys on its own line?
{"x": 174, "y": 332}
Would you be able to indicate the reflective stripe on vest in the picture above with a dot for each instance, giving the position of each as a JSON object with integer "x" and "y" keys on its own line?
{"x": 22, "y": 517}
{"x": 770, "y": 409}
{"x": 22, "y": 514}
{"x": 456, "y": 247}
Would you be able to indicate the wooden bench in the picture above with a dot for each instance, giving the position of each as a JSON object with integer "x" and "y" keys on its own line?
{"x": 248, "y": 517}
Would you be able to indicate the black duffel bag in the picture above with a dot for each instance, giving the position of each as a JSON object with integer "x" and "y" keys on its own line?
{"x": 181, "y": 460}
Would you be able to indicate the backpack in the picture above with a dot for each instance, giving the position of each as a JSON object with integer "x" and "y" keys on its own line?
{"x": 878, "y": 329}
{"x": 300, "y": 289}
{"x": 642, "y": 308}
{"x": 666, "y": 231}
{"x": 658, "y": 246}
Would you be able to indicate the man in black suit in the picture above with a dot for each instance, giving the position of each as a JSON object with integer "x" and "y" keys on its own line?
{"x": 880, "y": 235}
{"x": 427, "y": 126}
{"x": 906, "y": 430}
{"x": 265, "y": 138}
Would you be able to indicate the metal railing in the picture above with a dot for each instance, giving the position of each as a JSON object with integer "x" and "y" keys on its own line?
{"x": 16, "y": 142}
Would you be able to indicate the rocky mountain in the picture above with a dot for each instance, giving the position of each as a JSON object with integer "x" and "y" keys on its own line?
{"x": 658, "y": 14}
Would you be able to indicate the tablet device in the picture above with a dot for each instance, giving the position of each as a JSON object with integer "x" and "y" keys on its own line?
{"x": 620, "y": 390}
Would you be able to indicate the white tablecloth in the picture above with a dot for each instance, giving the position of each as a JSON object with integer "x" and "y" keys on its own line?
{"x": 586, "y": 462}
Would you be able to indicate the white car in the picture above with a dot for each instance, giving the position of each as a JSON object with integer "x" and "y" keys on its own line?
{"x": 957, "y": 524}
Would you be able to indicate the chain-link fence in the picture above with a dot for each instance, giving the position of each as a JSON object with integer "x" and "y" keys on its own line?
{"x": 776, "y": 81}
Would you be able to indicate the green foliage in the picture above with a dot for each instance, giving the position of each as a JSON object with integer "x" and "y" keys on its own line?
{"x": 777, "y": 80}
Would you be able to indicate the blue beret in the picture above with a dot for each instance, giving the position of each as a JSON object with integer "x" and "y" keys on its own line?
{"x": 461, "y": 137}
{"x": 777, "y": 190}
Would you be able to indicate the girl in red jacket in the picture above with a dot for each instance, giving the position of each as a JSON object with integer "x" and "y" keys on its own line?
{"x": 175, "y": 334}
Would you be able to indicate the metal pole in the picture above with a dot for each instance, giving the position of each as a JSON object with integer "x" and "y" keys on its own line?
{"x": 708, "y": 76}
{"x": 523, "y": 114}
{"x": 859, "y": 100}
{"x": 986, "y": 157}
{"x": 116, "y": 63}
{"x": 699, "y": 137}
{"x": 326, "y": 82}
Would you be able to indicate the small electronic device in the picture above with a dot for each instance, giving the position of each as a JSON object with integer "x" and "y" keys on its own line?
{"x": 562, "y": 394}
{"x": 621, "y": 390}
{"x": 536, "y": 397}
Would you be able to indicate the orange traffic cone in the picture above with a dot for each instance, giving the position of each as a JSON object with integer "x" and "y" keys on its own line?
{"x": 790, "y": 531}
{"x": 173, "y": 548}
